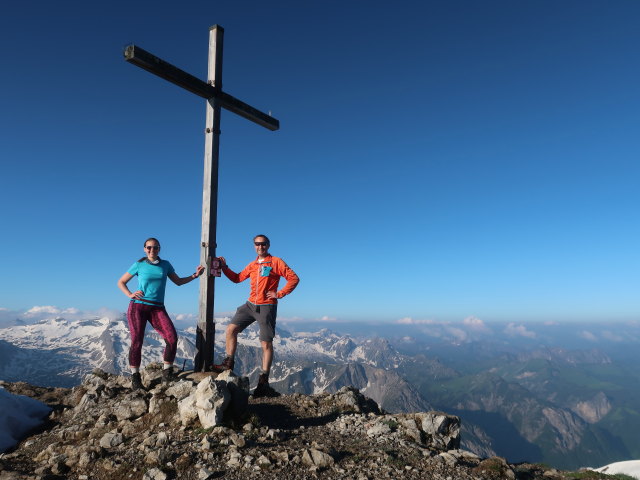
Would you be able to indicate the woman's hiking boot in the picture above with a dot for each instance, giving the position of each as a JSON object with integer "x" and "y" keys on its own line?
{"x": 227, "y": 364}
{"x": 263, "y": 389}
{"x": 136, "y": 382}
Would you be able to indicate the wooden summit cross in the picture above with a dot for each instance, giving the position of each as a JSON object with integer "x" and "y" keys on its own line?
{"x": 216, "y": 99}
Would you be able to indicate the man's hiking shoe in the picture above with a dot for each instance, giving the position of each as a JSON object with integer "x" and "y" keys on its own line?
{"x": 168, "y": 375}
{"x": 227, "y": 364}
{"x": 136, "y": 382}
{"x": 263, "y": 389}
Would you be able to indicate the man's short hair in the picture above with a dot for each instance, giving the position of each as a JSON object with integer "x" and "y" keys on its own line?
{"x": 265, "y": 237}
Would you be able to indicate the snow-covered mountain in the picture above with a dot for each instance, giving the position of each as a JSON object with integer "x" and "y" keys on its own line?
{"x": 59, "y": 352}
{"x": 566, "y": 407}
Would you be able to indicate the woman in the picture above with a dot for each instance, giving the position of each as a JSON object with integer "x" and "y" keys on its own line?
{"x": 147, "y": 305}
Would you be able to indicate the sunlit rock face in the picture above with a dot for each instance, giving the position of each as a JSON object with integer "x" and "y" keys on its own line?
{"x": 592, "y": 411}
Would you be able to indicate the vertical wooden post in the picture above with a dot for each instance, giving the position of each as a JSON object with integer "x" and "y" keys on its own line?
{"x": 205, "y": 334}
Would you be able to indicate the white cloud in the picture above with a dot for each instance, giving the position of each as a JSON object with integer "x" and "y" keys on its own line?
{"x": 43, "y": 312}
{"x": 457, "y": 333}
{"x": 411, "y": 321}
{"x": 190, "y": 320}
{"x": 514, "y": 330}
{"x": 432, "y": 332}
{"x": 474, "y": 323}
{"x": 612, "y": 336}
{"x": 184, "y": 320}
{"x": 39, "y": 310}
{"x": 324, "y": 318}
{"x": 588, "y": 336}
{"x": 101, "y": 312}
{"x": 290, "y": 319}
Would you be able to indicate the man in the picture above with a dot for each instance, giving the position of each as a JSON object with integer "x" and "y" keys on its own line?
{"x": 265, "y": 272}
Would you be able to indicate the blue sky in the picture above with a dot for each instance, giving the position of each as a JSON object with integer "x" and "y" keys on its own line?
{"x": 436, "y": 160}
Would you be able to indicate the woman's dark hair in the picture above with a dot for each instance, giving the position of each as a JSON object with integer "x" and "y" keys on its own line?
{"x": 145, "y": 244}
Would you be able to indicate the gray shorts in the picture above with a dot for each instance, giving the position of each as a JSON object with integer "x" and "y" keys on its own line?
{"x": 265, "y": 315}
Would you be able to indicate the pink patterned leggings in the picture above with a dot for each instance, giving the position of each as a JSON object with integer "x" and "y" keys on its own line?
{"x": 138, "y": 315}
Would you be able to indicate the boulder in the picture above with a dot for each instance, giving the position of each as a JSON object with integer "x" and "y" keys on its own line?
{"x": 154, "y": 474}
{"x": 211, "y": 400}
{"x": 442, "y": 430}
{"x": 128, "y": 410}
{"x": 179, "y": 390}
{"x": 239, "y": 390}
{"x": 313, "y": 457}
{"x": 350, "y": 399}
{"x": 187, "y": 411}
{"x": 111, "y": 439}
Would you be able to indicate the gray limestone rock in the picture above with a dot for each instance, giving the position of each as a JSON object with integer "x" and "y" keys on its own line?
{"x": 111, "y": 439}
{"x": 238, "y": 440}
{"x": 379, "y": 428}
{"x": 316, "y": 458}
{"x": 441, "y": 429}
{"x": 179, "y": 390}
{"x": 204, "y": 473}
{"x": 154, "y": 474}
{"x": 239, "y": 390}
{"x": 187, "y": 411}
{"x": 131, "y": 409}
{"x": 350, "y": 398}
{"x": 263, "y": 461}
{"x": 211, "y": 400}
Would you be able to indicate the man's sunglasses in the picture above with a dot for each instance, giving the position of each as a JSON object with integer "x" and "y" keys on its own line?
{"x": 152, "y": 247}
{"x": 260, "y": 244}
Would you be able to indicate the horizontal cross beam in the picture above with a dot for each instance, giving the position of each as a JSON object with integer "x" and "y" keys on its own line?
{"x": 149, "y": 62}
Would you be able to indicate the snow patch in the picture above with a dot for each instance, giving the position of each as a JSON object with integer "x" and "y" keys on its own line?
{"x": 630, "y": 467}
{"x": 18, "y": 415}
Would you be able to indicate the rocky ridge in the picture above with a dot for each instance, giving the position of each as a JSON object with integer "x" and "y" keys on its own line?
{"x": 204, "y": 427}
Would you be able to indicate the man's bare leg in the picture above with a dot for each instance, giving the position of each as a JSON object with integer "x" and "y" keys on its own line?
{"x": 267, "y": 356}
{"x": 232, "y": 339}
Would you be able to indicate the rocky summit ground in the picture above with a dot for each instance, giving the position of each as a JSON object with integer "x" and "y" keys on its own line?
{"x": 200, "y": 427}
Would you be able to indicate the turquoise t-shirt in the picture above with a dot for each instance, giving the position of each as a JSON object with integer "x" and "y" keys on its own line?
{"x": 152, "y": 279}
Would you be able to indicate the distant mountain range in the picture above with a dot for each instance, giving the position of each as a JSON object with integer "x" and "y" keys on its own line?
{"x": 539, "y": 403}
{"x": 59, "y": 352}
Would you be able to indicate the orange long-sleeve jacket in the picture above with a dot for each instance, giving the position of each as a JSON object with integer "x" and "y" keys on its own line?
{"x": 265, "y": 277}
